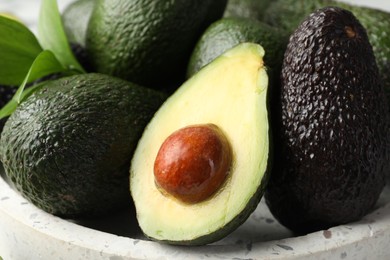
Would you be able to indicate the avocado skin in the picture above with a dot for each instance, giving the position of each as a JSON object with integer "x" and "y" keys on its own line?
{"x": 7, "y": 93}
{"x": 229, "y": 32}
{"x": 332, "y": 133}
{"x": 75, "y": 18}
{"x": 288, "y": 14}
{"x": 136, "y": 39}
{"x": 68, "y": 147}
{"x": 253, "y": 9}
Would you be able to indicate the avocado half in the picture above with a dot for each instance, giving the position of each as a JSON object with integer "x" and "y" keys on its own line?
{"x": 231, "y": 93}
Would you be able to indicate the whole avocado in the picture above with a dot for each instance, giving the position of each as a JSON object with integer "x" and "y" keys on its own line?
{"x": 75, "y": 18}
{"x": 332, "y": 133}
{"x": 68, "y": 147}
{"x": 226, "y": 33}
{"x": 148, "y": 42}
{"x": 288, "y": 14}
{"x": 253, "y": 9}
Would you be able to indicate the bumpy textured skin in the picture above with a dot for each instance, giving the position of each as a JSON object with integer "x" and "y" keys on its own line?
{"x": 148, "y": 42}
{"x": 229, "y": 32}
{"x": 7, "y": 93}
{"x": 332, "y": 138}
{"x": 288, "y": 14}
{"x": 68, "y": 147}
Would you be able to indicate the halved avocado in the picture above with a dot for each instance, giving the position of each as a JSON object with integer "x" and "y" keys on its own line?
{"x": 230, "y": 93}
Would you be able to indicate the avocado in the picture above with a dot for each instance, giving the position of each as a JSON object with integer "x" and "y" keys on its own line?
{"x": 148, "y": 42}
{"x": 332, "y": 133}
{"x": 228, "y": 98}
{"x": 288, "y": 14}
{"x": 7, "y": 93}
{"x": 67, "y": 148}
{"x": 75, "y": 18}
{"x": 228, "y": 32}
{"x": 253, "y": 9}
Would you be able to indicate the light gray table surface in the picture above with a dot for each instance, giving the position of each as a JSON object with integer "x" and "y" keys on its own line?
{"x": 27, "y": 10}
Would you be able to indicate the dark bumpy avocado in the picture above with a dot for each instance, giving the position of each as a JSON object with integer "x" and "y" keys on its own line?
{"x": 333, "y": 147}
{"x": 67, "y": 148}
{"x": 229, "y": 32}
{"x": 148, "y": 42}
{"x": 232, "y": 88}
{"x": 288, "y": 14}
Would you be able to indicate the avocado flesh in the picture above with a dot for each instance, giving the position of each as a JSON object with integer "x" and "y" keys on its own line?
{"x": 67, "y": 147}
{"x": 136, "y": 39}
{"x": 230, "y": 92}
{"x": 332, "y": 134}
{"x": 288, "y": 14}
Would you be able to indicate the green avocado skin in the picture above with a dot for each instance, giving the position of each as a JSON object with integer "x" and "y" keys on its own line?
{"x": 253, "y": 9}
{"x": 288, "y": 14}
{"x": 148, "y": 42}
{"x": 332, "y": 132}
{"x": 68, "y": 147}
{"x": 229, "y": 32}
{"x": 76, "y": 18}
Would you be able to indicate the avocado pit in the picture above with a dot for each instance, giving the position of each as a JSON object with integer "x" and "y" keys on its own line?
{"x": 193, "y": 163}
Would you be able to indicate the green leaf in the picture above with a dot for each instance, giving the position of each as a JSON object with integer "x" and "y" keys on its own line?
{"x": 52, "y": 35}
{"x": 44, "y": 64}
{"x": 18, "y": 50}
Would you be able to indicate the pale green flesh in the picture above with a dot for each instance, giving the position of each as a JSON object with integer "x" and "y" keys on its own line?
{"x": 230, "y": 92}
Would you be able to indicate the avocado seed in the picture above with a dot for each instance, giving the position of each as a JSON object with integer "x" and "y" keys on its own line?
{"x": 193, "y": 163}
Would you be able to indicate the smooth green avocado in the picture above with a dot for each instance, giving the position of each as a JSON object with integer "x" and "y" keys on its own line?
{"x": 253, "y": 9}
{"x": 148, "y": 42}
{"x": 67, "y": 148}
{"x": 229, "y": 32}
{"x": 332, "y": 135}
{"x": 75, "y": 18}
{"x": 230, "y": 93}
{"x": 288, "y": 14}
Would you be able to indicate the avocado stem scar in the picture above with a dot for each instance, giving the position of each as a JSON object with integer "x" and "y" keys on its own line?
{"x": 351, "y": 33}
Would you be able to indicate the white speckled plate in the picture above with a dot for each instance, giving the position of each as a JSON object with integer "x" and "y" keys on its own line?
{"x": 29, "y": 233}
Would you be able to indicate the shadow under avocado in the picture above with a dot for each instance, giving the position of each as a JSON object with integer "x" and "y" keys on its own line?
{"x": 121, "y": 223}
